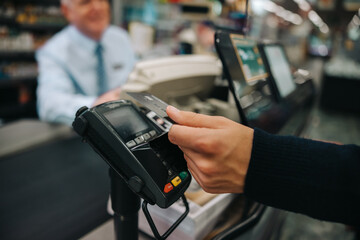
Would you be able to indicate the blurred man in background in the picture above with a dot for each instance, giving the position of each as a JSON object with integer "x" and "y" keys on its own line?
{"x": 84, "y": 64}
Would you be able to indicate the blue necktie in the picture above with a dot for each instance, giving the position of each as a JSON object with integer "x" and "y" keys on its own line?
{"x": 100, "y": 70}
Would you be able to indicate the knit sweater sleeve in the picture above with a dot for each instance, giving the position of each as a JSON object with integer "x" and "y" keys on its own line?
{"x": 318, "y": 179}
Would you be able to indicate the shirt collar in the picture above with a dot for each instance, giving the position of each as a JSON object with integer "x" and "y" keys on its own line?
{"x": 82, "y": 39}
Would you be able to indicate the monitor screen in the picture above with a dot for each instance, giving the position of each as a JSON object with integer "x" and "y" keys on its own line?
{"x": 280, "y": 69}
{"x": 249, "y": 58}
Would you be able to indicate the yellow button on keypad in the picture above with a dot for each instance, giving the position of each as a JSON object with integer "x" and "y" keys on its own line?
{"x": 176, "y": 181}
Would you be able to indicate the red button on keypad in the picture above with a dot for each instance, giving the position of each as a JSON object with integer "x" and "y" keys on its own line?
{"x": 168, "y": 187}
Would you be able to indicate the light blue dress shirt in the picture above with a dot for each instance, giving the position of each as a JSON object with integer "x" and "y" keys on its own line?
{"x": 68, "y": 71}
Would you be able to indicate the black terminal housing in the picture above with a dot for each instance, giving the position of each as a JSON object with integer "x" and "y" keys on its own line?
{"x": 137, "y": 149}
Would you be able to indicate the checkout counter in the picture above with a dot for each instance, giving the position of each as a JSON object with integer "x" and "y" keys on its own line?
{"x": 54, "y": 186}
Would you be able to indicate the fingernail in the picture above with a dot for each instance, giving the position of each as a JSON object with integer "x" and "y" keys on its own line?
{"x": 172, "y": 109}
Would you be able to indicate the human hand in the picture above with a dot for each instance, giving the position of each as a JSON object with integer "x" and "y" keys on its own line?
{"x": 111, "y": 95}
{"x": 217, "y": 150}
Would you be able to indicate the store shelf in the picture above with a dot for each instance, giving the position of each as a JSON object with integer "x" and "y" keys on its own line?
{"x": 14, "y": 111}
{"x": 37, "y": 2}
{"x": 10, "y": 81}
{"x": 31, "y": 27}
{"x": 41, "y": 27}
{"x": 8, "y": 21}
{"x": 25, "y": 26}
{"x": 17, "y": 55}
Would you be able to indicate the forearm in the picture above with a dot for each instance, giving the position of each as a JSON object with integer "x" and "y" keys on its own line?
{"x": 57, "y": 96}
{"x": 315, "y": 178}
{"x": 61, "y": 107}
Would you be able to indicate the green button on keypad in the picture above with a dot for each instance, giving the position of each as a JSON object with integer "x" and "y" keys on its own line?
{"x": 183, "y": 175}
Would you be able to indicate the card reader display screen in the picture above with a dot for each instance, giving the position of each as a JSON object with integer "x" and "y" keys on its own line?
{"x": 126, "y": 121}
{"x": 280, "y": 69}
{"x": 249, "y": 58}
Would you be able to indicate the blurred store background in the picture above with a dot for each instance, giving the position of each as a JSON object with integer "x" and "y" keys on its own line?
{"x": 321, "y": 36}
{"x": 324, "y": 29}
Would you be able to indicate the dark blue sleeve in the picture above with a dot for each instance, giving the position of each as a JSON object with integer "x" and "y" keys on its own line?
{"x": 315, "y": 178}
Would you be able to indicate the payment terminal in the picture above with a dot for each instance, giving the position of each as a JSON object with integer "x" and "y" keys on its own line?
{"x": 134, "y": 143}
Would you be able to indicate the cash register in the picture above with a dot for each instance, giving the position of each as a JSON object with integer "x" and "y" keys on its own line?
{"x": 184, "y": 81}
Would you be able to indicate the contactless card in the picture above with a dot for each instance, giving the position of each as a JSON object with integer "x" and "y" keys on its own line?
{"x": 151, "y": 102}
{"x": 157, "y": 109}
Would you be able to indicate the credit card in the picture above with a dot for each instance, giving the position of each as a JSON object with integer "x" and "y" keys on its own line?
{"x": 151, "y": 102}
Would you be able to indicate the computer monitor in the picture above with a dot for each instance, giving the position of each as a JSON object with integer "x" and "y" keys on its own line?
{"x": 247, "y": 77}
{"x": 242, "y": 62}
{"x": 280, "y": 73}
{"x": 249, "y": 58}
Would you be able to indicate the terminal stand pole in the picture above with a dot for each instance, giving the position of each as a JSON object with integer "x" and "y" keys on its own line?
{"x": 126, "y": 205}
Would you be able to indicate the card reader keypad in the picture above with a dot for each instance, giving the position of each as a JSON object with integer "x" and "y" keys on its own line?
{"x": 131, "y": 144}
{"x": 176, "y": 181}
{"x": 141, "y": 139}
{"x": 172, "y": 160}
